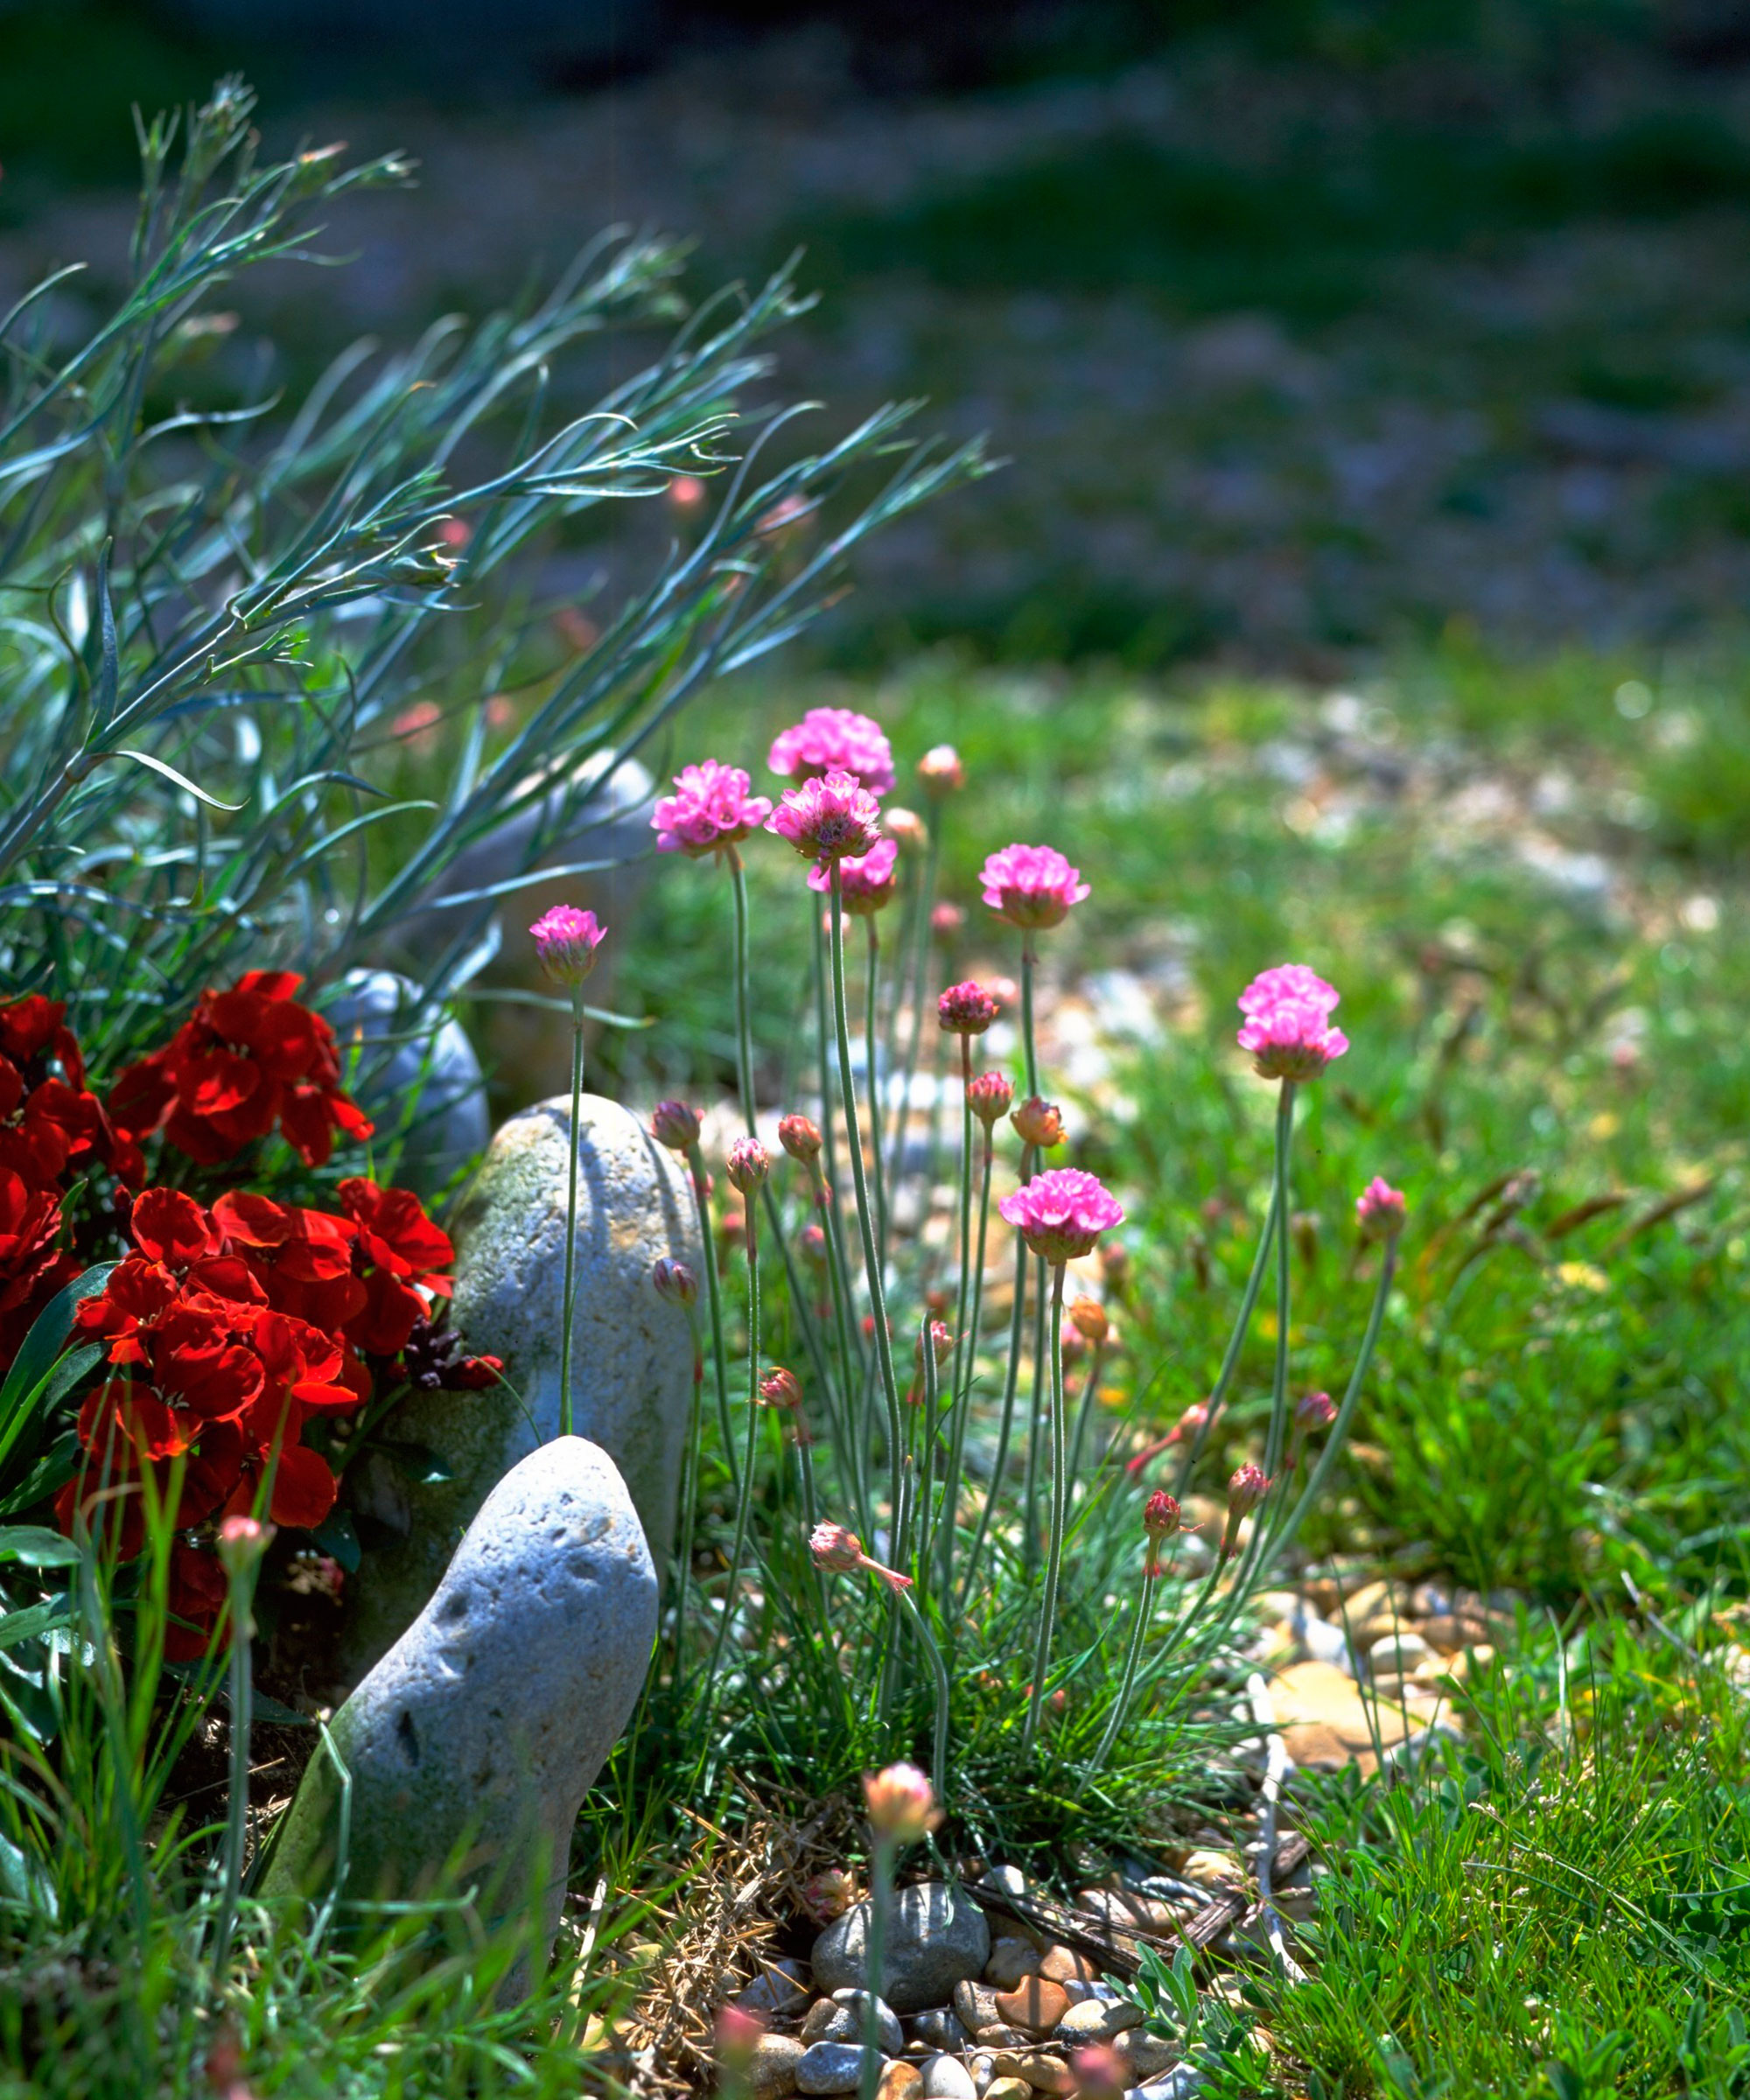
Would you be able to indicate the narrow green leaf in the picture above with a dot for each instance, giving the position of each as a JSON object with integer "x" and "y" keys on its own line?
{"x": 36, "y": 1546}
{"x": 170, "y": 773}
{"x": 35, "y": 1619}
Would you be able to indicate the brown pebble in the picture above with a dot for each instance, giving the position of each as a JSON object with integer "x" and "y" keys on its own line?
{"x": 1010, "y": 1961}
{"x": 772, "y": 2072}
{"x": 1064, "y": 1965}
{"x": 1000, "y": 2035}
{"x": 1008, "y": 2088}
{"x": 1036, "y": 2004}
{"x": 1449, "y": 1631}
{"x": 1048, "y": 2074}
{"x": 900, "y": 2081}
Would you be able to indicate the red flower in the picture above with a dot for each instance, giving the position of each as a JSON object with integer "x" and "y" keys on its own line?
{"x": 245, "y": 1060}
{"x": 33, "y": 1266}
{"x": 303, "y": 1260}
{"x": 49, "y": 1120}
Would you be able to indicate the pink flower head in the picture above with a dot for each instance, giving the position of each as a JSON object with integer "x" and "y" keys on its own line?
{"x": 242, "y": 1540}
{"x": 1160, "y": 1515}
{"x": 834, "y": 739}
{"x": 902, "y": 1803}
{"x": 1061, "y": 1213}
{"x": 1314, "y": 1410}
{"x": 1031, "y": 885}
{"x": 748, "y": 1164}
{"x": 674, "y": 1281}
{"x": 1288, "y": 1024}
{"x": 673, "y": 1123}
{"x": 829, "y": 1895}
{"x": 966, "y": 1009}
{"x": 941, "y": 772}
{"x": 1245, "y": 1491}
{"x": 841, "y": 1552}
{"x": 565, "y": 941}
{"x": 800, "y": 1137}
{"x": 990, "y": 1095}
{"x": 946, "y": 921}
{"x": 831, "y": 818}
{"x": 1379, "y": 1209}
{"x": 779, "y": 1388}
{"x": 711, "y": 809}
{"x": 867, "y": 882}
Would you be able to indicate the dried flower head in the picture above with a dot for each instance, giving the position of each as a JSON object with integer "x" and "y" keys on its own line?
{"x": 966, "y": 1009}
{"x": 1032, "y": 886}
{"x": 989, "y": 1096}
{"x": 829, "y": 1895}
{"x": 1061, "y": 1213}
{"x": 902, "y": 1803}
{"x": 829, "y": 819}
{"x": 1088, "y": 1317}
{"x": 1288, "y": 1024}
{"x": 709, "y": 810}
{"x": 941, "y": 772}
{"x": 834, "y": 739}
{"x": 865, "y": 883}
{"x": 673, "y": 1123}
{"x": 1380, "y": 1210}
{"x": 748, "y": 1165}
{"x": 1040, "y": 1122}
{"x": 565, "y": 943}
{"x": 674, "y": 1281}
{"x": 800, "y": 1137}
{"x": 841, "y": 1552}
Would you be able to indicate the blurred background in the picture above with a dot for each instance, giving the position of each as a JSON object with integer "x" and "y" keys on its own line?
{"x": 1315, "y": 331}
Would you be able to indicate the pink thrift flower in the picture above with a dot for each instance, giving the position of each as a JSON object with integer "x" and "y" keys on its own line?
{"x": 1061, "y": 1213}
{"x": 1379, "y": 1209}
{"x": 1245, "y": 1491}
{"x": 711, "y": 810}
{"x": 835, "y": 739}
{"x": 990, "y": 1095}
{"x": 841, "y": 1552}
{"x": 865, "y": 882}
{"x": 902, "y": 1803}
{"x": 748, "y": 1164}
{"x": 966, "y": 1009}
{"x": 941, "y": 772}
{"x": 831, "y": 818}
{"x": 1031, "y": 885}
{"x": 1288, "y": 1024}
{"x": 566, "y": 941}
{"x": 673, "y": 1123}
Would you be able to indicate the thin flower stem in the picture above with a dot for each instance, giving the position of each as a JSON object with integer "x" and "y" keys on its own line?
{"x": 939, "y": 1671}
{"x": 570, "y": 1292}
{"x": 877, "y": 1296}
{"x": 1127, "y": 1683}
{"x": 960, "y": 1339}
{"x": 689, "y": 1496}
{"x": 1235, "y": 1342}
{"x": 1053, "y": 1565}
{"x": 1030, "y": 1491}
{"x": 930, "y": 1426}
{"x": 823, "y": 1050}
{"x": 744, "y": 1022}
{"x": 1278, "y": 1404}
{"x": 962, "y": 1397}
{"x": 714, "y": 1303}
{"x": 872, "y": 1049}
{"x": 1084, "y": 1413}
{"x": 880, "y": 1888}
{"x": 1028, "y": 1051}
{"x": 844, "y": 1313}
{"x": 1010, "y": 1380}
{"x": 745, "y": 1497}
{"x": 237, "y": 1801}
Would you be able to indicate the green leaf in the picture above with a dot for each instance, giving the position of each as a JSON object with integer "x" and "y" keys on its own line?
{"x": 28, "y": 1378}
{"x": 36, "y": 1546}
{"x": 170, "y": 773}
{"x": 34, "y": 1620}
{"x": 50, "y": 1474}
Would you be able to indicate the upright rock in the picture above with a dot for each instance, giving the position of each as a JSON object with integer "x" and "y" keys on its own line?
{"x": 632, "y": 1352}
{"x": 472, "y": 1744}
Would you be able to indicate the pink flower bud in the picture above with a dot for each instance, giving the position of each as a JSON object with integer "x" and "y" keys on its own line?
{"x": 905, "y": 828}
{"x": 902, "y": 1803}
{"x": 941, "y": 1343}
{"x": 990, "y": 1095}
{"x": 1160, "y": 1515}
{"x": 565, "y": 943}
{"x": 738, "y": 2035}
{"x": 800, "y": 1137}
{"x": 779, "y": 1388}
{"x": 1087, "y": 1316}
{"x": 940, "y": 772}
{"x": 1314, "y": 1410}
{"x": 1380, "y": 1210}
{"x": 1245, "y": 1491}
{"x": 242, "y": 1540}
{"x": 811, "y": 1242}
{"x": 673, "y": 1123}
{"x": 841, "y": 1552}
{"x": 946, "y": 921}
{"x": 748, "y": 1164}
{"x": 674, "y": 1282}
{"x": 966, "y": 1009}
{"x": 1039, "y": 1122}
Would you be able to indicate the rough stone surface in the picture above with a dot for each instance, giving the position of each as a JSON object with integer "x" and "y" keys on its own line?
{"x": 417, "y": 1076}
{"x": 1048, "y": 2074}
{"x": 830, "y": 2066}
{"x": 771, "y": 2073}
{"x": 780, "y": 1987}
{"x": 947, "y": 2078}
{"x": 1146, "y": 2056}
{"x": 1095, "y": 2021}
{"x": 1064, "y": 1964}
{"x": 1035, "y": 2004}
{"x": 473, "y": 1741}
{"x": 1326, "y": 1724}
{"x": 1398, "y": 1654}
{"x": 901, "y": 2081}
{"x": 840, "y": 2019}
{"x": 936, "y": 1938}
{"x": 633, "y": 1351}
{"x": 1008, "y": 2088}
{"x": 975, "y": 2004}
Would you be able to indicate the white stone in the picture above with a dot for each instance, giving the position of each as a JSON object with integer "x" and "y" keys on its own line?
{"x": 633, "y": 1351}
{"x": 471, "y": 1746}
{"x": 947, "y": 2078}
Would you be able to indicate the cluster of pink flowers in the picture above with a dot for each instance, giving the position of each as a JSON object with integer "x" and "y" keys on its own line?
{"x": 966, "y": 1009}
{"x": 709, "y": 810}
{"x": 1379, "y": 1209}
{"x": 829, "y": 818}
{"x": 834, "y": 739}
{"x": 566, "y": 941}
{"x": 1061, "y": 1213}
{"x": 866, "y": 881}
{"x": 1032, "y": 886}
{"x": 1288, "y": 1023}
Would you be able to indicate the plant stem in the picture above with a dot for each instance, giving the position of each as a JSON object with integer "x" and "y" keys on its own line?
{"x": 962, "y": 1397}
{"x": 237, "y": 1803}
{"x": 938, "y": 1670}
{"x": 881, "y": 1886}
{"x": 1278, "y": 1405}
{"x": 689, "y": 1496}
{"x": 822, "y": 1042}
{"x": 1030, "y": 1493}
{"x": 1121, "y": 1705}
{"x": 576, "y": 1143}
{"x": 714, "y": 1301}
{"x": 1235, "y": 1342}
{"x": 1053, "y": 1565}
{"x": 745, "y": 1497}
{"x": 744, "y": 1024}
{"x": 872, "y": 1048}
{"x": 1010, "y": 1380}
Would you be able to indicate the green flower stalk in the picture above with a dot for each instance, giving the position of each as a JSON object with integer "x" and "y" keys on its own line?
{"x": 902, "y": 1808}
{"x": 242, "y": 1540}
{"x": 988, "y": 1097}
{"x": 1160, "y": 1522}
{"x": 676, "y": 1125}
{"x": 748, "y": 1167}
{"x": 565, "y": 942}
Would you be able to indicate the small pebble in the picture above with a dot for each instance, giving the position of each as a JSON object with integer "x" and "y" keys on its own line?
{"x": 1008, "y": 2088}
{"x": 830, "y": 2066}
{"x": 887, "y": 2027}
{"x": 1009, "y": 1880}
{"x": 1213, "y": 1870}
{"x": 1063, "y": 1964}
{"x": 1094, "y": 2021}
{"x": 1010, "y": 1961}
{"x": 940, "y": 2029}
{"x": 975, "y": 2006}
{"x": 901, "y": 2081}
{"x": 771, "y": 2073}
{"x": 946, "y": 2077}
{"x": 1048, "y": 2074}
{"x": 1036, "y": 2004}
{"x": 1448, "y": 1633}
{"x": 778, "y": 1988}
{"x": 998, "y": 2035}
{"x": 1146, "y": 2056}
{"x": 1398, "y": 1654}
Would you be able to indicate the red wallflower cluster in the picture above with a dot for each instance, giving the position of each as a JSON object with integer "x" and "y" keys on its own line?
{"x": 230, "y": 1331}
{"x": 51, "y": 1128}
{"x": 245, "y": 1060}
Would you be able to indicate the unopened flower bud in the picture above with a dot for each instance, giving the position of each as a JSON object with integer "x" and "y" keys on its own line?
{"x": 966, "y": 1009}
{"x": 800, "y": 1137}
{"x": 989, "y": 1096}
{"x": 902, "y": 1803}
{"x": 941, "y": 1343}
{"x": 1040, "y": 1123}
{"x": 941, "y": 772}
{"x": 673, "y": 1123}
{"x": 834, "y": 1549}
{"x": 946, "y": 921}
{"x": 242, "y": 1540}
{"x": 1245, "y": 1491}
{"x": 1314, "y": 1410}
{"x": 1088, "y": 1318}
{"x": 1380, "y": 1210}
{"x": 811, "y": 1244}
{"x": 905, "y": 828}
{"x": 779, "y": 1388}
{"x": 1160, "y": 1515}
{"x": 565, "y": 943}
{"x": 674, "y": 1281}
{"x": 748, "y": 1164}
